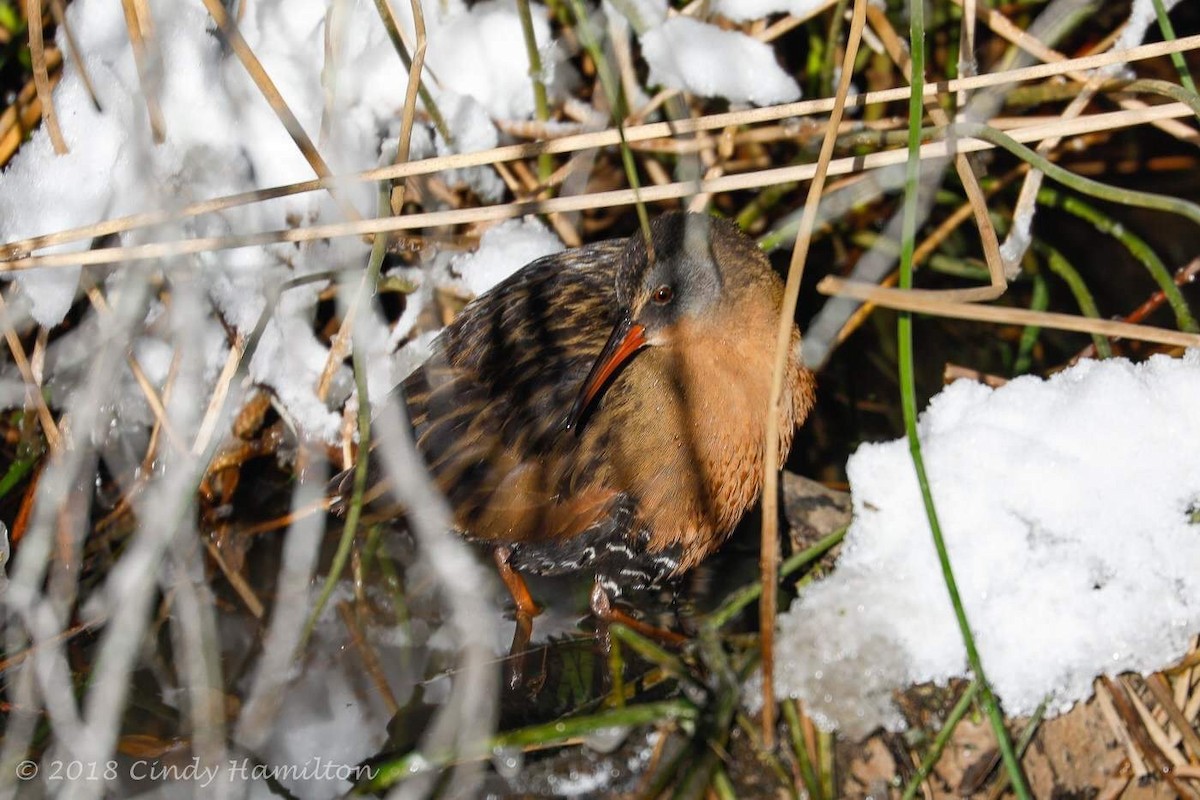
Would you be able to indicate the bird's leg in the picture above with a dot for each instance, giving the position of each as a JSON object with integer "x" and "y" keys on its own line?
{"x": 515, "y": 584}
{"x": 526, "y": 610}
{"x": 605, "y": 611}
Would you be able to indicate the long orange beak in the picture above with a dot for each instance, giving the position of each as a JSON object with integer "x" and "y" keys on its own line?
{"x": 627, "y": 338}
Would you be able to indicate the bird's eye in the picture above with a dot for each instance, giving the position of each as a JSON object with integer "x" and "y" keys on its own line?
{"x": 663, "y": 294}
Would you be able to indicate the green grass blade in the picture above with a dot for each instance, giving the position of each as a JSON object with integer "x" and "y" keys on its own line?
{"x": 908, "y": 394}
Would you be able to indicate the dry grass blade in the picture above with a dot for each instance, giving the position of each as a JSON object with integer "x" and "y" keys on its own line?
{"x": 776, "y": 29}
{"x": 769, "y": 554}
{"x": 162, "y": 422}
{"x": 369, "y": 657}
{"x": 954, "y": 372}
{"x": 587, "y": 141}
{"x": 17, "y": 659}
{"x": 239, "y": 584}
{"x": 152, "y": 446}
{"x": 212, "y": 415}
{"x": 49, "y": 427}
{"x": 936, "y": 304}
{"x": 621, "y": 197}
{"x": 25, "y": 111}
{"x": 148, "y": 61}
{"x": 41, "y": 73}
{"x": 1104, "y": 697}
{"x": 1153, "y": 728}
{"x": 1000, "y": 25}
{"x": 400, "y": 42}
{"x": 1158, "y": 687}
{"x": 407, "y": 119}
{"x": 1134, "y": 716}
{"x": 977, "y": 202}
{"x": 341, "y": 342}
{"x": 58, "y": 9}
{"x": 315, "y": 507}
{"x": 269, "y": 91}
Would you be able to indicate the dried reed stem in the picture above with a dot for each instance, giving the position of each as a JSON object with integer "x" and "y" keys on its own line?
{"x": 936, "y": 304}
{"x": 591, "y": 140}
{"x": 41, "y": 73}
{"x": 769, "y": 552}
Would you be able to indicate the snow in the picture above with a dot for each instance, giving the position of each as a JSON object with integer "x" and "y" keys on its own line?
{"x": 1068, "y": 509}
{"x": 223, "y": 138}
{"x": 641, "y": 14}
{"x": 36, "y": 185}
{"x": 687, "y": 54}
{"x": 482, "y": 54}
{"x": 154, "y": 357}
{"x": 473, "y": 131}
{"x": 1141, "y": 16}
{"x": 744, "y": 10}
{"x": 503, "y": 250}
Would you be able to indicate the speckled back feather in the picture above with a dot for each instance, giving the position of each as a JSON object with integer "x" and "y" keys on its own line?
{"x": 488, "y": 409}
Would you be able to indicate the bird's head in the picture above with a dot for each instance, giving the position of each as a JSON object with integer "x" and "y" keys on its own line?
{"x": 694, "y": 267}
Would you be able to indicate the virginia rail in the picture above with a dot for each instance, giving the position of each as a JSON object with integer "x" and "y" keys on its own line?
{"x": 604, "y": 408}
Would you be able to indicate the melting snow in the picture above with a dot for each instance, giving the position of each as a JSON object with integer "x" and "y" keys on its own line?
{"x": 222, "y": 137}
{"x": 1068, "y": 508}
{"x": 684, "y": 53}
{"x": 503, "y": 250}
{"x": 743, "y": 10}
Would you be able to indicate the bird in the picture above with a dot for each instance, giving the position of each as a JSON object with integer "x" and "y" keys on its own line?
{"x": 604, "y": 409}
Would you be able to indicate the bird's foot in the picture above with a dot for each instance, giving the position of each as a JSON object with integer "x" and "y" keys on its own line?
{"x": 605, "y": 611}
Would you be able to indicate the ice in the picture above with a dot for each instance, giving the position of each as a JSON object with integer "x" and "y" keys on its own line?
{"x": 581, "y": 783}
{"x": 703, "y": 59}
{"x": 1065, "y": 506}
{"x": 333, "y": 714}
{"x": 508, "y": 761}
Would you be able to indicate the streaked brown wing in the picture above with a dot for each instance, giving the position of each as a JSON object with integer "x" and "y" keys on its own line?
{"x": 488, "y": 410}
